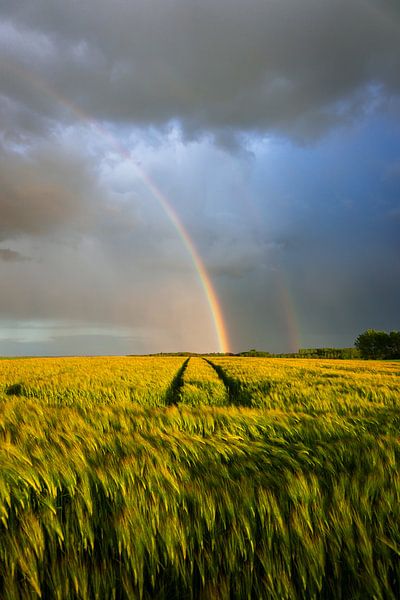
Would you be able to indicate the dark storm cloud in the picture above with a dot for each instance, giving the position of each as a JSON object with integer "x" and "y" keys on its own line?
{"x": 219, "y": 67}
{"x": 174, "y": 82}
{"x": 333, "y": 207}
{"x": 44, "y": 193}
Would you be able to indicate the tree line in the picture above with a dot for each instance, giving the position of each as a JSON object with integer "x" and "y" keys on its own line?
{"x": 370, "y": 344}
{"x": 379, "y": 344}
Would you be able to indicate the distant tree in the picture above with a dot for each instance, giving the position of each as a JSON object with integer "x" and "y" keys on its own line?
{"x": 254, "y": 352}
{"x": 343, "y": 353}
{"x": 394, "y": 343}
{"x": 378, "y": 344}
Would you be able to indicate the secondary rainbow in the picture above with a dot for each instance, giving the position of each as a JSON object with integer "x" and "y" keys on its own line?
{"x": 204, "y": 278}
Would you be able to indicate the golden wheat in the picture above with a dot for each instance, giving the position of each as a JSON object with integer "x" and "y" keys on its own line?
{"x": 125, "y": 478}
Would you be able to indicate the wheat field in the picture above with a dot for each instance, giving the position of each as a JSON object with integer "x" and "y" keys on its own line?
{"x": 201, "y": 478}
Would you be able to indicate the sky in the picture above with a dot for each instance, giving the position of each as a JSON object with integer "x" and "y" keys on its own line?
{"x": 173, "y": 170}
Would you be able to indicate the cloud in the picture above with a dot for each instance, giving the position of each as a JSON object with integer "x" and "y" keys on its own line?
{"x": 224, "y": 67}
{"x": 8, "y": 255}
{"x": 74, "y": 345}
{"x": 173, "y": 83}
{"x": 44, "y": 192}
{"x": 101, "y": 255}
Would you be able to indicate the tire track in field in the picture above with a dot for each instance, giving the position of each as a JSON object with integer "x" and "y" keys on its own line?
{"x": 173, "y": 394}
{"x": 202, "y": 386}
{"x": 237, "y": 395}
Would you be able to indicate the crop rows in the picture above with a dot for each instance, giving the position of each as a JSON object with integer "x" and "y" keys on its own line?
{"x": 125, "y": 478}
{"x": 309, "y": 385}
{"x": 87, "y": 381}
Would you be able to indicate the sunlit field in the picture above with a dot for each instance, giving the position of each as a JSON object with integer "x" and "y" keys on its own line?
{"x": 216, "y": 478}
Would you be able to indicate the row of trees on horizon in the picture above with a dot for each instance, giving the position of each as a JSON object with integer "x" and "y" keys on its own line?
{"x": 371, "y": 344}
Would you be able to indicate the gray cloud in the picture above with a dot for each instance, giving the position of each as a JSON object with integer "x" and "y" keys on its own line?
{"x": 265, "y": 230}
{"x": 99, "y": 256}
{"x": 9, "y": 255}
{"x": 292, "y": 236}
{"x": 73, "y": 345}
{"x": 219, "y": 67}
{"x": 43, "y": 192}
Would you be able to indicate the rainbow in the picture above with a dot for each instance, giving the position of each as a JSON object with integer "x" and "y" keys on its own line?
{"x": 203, "y": 276}
{"x": 289, "y": 313}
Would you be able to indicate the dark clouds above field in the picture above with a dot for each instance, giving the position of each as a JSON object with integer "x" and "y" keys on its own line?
{"x": 221, "y": 67}
{"x": 272, "y": 127}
